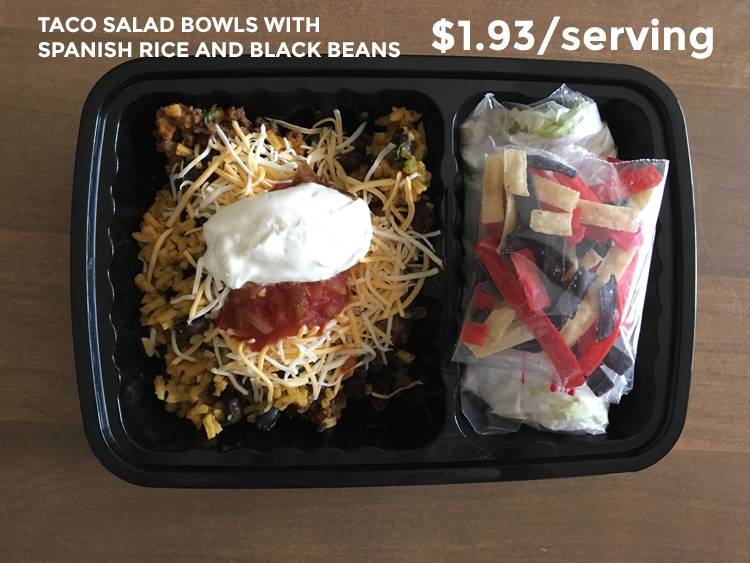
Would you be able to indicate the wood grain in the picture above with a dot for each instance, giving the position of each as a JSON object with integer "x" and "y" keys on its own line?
{"x": 58, "y": 503}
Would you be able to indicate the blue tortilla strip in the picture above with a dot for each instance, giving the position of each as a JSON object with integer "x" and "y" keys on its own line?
{"x": 602, "y": 249}
{"x": 480, "y": 315}
{"x": 583, "y": 247}
{"x": 555, "y": 263}
{"x": 531, "y": 346}
{"x": 599, "y": 382}
{"x": 570, "y": 301}
{"x": 607, "y": 301}
{"x": 544, "y": 163}
{"x": 520, "y": 239}
{"x": 618, "y": 361}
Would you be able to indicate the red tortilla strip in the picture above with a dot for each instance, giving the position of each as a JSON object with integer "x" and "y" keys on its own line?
{"x": 482, "y": 300}
{"x": 474, "y": 333}
{"x": 578, "y": 185}
{"x": 528, "y": 275}
{"x": 593, "y": 357}
{"x": 628, "y": 184}
{"x": 539, "y": 324}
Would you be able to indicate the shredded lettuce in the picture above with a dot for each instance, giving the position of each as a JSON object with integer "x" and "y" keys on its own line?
{"x": 553, "y": 122}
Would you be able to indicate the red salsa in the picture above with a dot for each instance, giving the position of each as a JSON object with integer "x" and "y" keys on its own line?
{"x": 303, "y": 175}
{"x": 268, "y": 312}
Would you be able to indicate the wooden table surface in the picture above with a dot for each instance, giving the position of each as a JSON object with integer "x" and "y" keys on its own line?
{"x": 58, "y": 503}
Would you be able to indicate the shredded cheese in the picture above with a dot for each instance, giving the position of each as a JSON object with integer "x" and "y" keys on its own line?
{"x": 397, "y": 391}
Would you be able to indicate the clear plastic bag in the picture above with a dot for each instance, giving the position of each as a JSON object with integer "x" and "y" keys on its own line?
{"x": 562, "y": 119}
{"x": 559, "y": 275}
{"x": 576, "y": 116}
{"x": 499, "y": 405}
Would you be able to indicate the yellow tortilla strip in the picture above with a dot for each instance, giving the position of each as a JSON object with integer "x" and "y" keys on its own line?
{"x": 640, "y": 200}
{"x": 499, "y": 321}
{"x": 515, "y": 172}
{"x": 551, "y": 222}
{"x": 555, "y": 194}
{"x": 587, "y": 313}
{"x": 591, "y": 259}
{"x": 614, "y": 264}
{"x": 516, "y": 334}
{"x": 493, "y": 186}
{"x": 609, "y": 216}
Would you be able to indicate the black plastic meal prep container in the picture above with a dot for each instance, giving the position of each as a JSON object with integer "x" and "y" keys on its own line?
{"x": 422, "y": 437}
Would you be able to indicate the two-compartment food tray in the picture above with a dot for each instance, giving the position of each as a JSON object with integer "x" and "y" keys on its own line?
{"x": 422, "y": 437}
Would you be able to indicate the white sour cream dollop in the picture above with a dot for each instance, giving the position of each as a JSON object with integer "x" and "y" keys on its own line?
{"x": 304, "y": 233}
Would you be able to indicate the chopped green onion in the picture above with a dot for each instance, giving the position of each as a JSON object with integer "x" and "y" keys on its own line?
{"x": 209, "y": 117}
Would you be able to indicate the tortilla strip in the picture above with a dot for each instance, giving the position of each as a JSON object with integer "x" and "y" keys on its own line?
{"x": 591, "y": 259}
{"x": 614, "y": 264}
{"x": 609, "y": 216}
{"x": 515, "y": 172}
{"x": 493, "y": 186}
{"x": 516, "y": 334}
{"x": 551, "y": 222}
{"x": 499, "y": 321}
{"x": 555, "y": 194}
{"x": 640, "y": 200}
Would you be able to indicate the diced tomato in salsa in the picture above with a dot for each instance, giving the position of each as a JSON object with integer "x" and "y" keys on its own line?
{"x": 269, "y": 312}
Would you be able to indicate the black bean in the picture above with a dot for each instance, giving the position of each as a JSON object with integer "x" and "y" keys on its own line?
{"x": 192, "y": 174}
{"x": 267, "y": 420}
{"x": 405, "y": 147}
{"x": 351, "y": 161}
{"x": 182, "y": 338}
{"x": 201, "y": 324}
{"x": 423, "y": 217}
{"x": 400, "y": 135}
{"x": 361, "y": 143}
{"x": 232, "y": 409}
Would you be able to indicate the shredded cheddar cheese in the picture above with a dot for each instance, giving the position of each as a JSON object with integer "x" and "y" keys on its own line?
{"x": 383, "y": 284}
